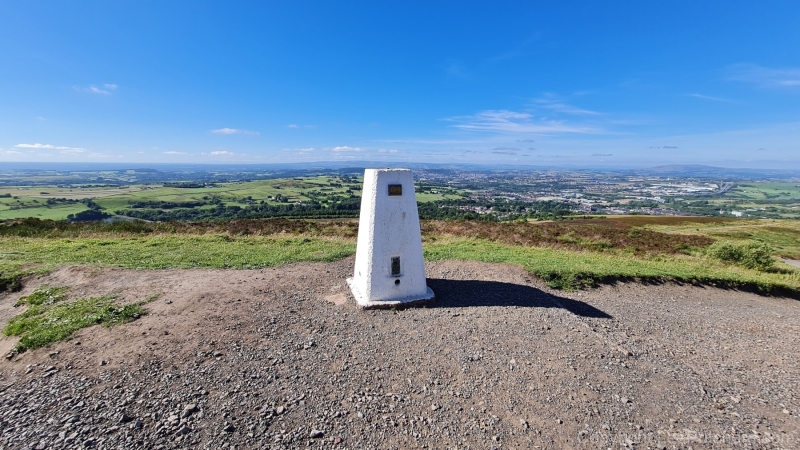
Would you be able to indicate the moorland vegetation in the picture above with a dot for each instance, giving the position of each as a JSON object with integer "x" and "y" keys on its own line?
{"x": 742, "y": 254}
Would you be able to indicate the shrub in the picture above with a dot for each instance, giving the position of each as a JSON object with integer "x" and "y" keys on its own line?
{"x": 752, "y": 255}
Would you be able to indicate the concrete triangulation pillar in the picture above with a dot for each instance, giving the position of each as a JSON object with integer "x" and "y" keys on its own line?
{"x": 390, "y": 268}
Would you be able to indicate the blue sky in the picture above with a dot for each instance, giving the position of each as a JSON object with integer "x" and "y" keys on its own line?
{"x": 590, "y": 84}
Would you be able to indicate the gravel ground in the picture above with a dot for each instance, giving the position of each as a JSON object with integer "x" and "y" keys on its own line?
{"x": 283, "y": 358}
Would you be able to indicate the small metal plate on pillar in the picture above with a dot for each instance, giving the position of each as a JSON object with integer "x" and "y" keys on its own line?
{"x": 396, "y": 266}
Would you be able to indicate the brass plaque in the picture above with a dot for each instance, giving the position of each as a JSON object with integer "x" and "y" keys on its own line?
{"x": 395, "y": 189}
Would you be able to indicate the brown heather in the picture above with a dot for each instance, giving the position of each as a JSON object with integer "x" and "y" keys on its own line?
{"x": 575, "y": 235}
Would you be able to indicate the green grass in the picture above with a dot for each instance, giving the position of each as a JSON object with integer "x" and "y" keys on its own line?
{"x": 161, "y": 252}
{"x": 56, "y": 212}
{"x": 566, "y": 269}
{"x": 781, "y": 235}
{"x": 562, "y": 265}
{"x": 44, "y": 296}
{"x": 45, "y": 323}
{"x": 13, "y": 272}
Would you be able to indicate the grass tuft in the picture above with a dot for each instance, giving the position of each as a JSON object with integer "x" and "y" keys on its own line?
{"x": 45, "y": 323}
{"x": 44, "y": 296}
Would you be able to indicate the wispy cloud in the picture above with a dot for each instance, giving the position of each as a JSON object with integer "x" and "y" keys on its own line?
{"x": 345, "y": 149}
{"x": 304, "y": 151}
{"x": 708, "y": 97}
{"x": 569, "y": 109}
{"x": 505, "y": 150}
{"x": 552, "y": 103}
{"x": 105, "y": 89}
{"x": 234, "y": 131}
{"x": 602, "y": 154}
{"x": 765, "y": 77}
{"x": 62, "y": 149}
{"x": 456, "y": 70}
{"x": 516, "y": 122}
{"x": 175, "y": 153}
{"x": 387, "y": 150}
{"x": 292, "y": 125}
{"x": 519, "y": 50}
{"x": 49, "y": 150}
{"x": 221, "y": 153}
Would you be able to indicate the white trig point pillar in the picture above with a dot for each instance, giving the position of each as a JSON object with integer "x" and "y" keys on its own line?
{"x": 390, "y": 268}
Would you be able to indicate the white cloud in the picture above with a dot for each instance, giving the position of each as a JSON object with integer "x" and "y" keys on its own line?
{"x": 304, "y": 151}
{"x": 516, "y": 122}
{"x": 175, "y": 153}
{"x": 765, "y": 77}
{"x": 106, "y": 89}
{"x": 234, "y": 131}
{"x": 390, "y": 150}
{"x": 62, "y": 149}
{"x": 346, "y": 149}
{"x": 292, "y": 125}
{"x": 222, "y": 153}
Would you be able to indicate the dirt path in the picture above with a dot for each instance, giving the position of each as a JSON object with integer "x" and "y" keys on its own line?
{"x": 259, "y": 359}
{"x": 792, "y": 262}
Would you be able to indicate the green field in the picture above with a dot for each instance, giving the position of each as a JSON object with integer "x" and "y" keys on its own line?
{"x": 780, "y": 199}
{"x": 30, "y": 201}
{"x": 767, "y": 190}
{"x": 56, "y": 212}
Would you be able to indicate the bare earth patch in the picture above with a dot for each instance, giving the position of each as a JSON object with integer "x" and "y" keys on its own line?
{"x": 792, "y": 262}
{"x": 282, "y": 358}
